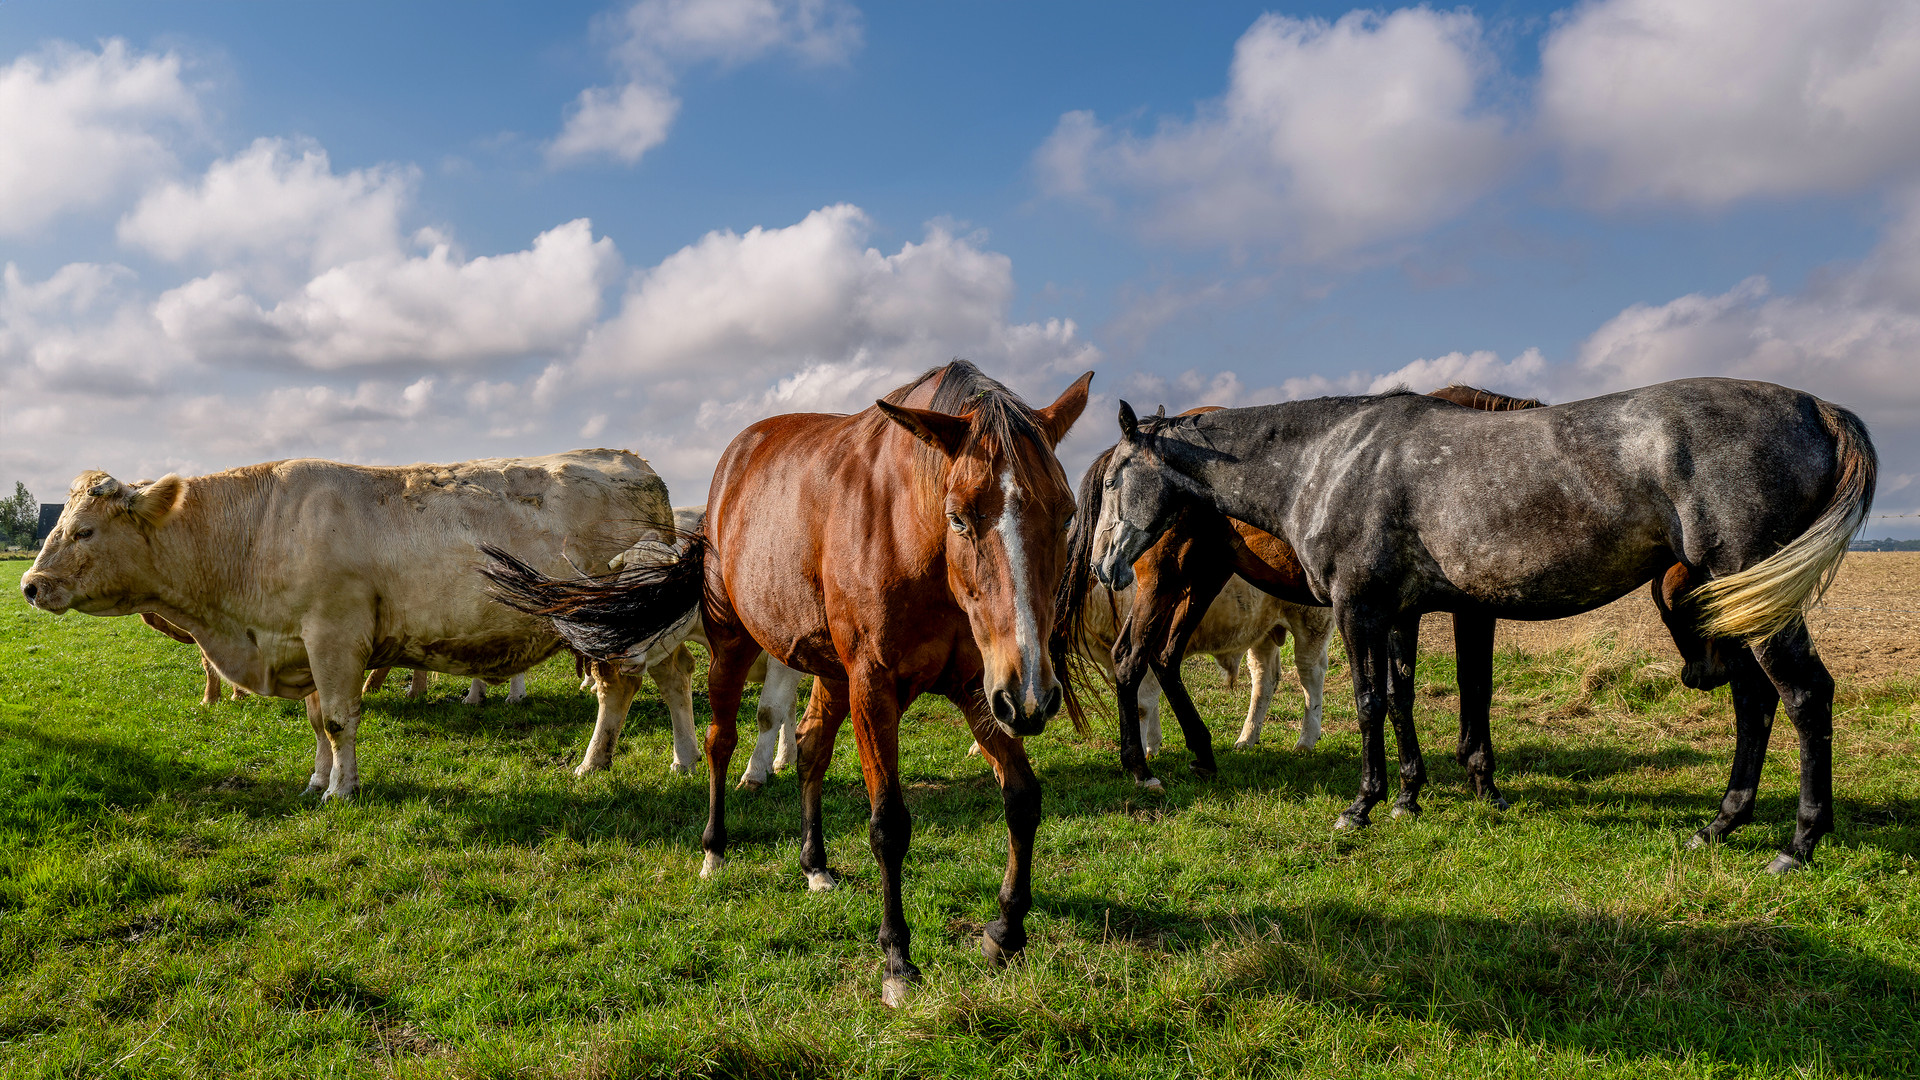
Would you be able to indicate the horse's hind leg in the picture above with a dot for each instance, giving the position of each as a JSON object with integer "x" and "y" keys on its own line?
{"x": 1020, "y": 791}
{"x": 1368, "y": 656}
{"x": 1754, "y": 704}
{"x": 1403, "y": 648}
{"x": 826, "y": 707}
{"x": 1473, "y": 661}
{"x": 1807, "y": 689}
{"x": 732, "y": 656}
{"x": 1199, "y": 739}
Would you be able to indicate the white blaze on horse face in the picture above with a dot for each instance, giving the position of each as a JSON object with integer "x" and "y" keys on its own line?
{"x": 1026, "y": 627}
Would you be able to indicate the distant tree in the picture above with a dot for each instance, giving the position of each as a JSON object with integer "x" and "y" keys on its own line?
{"x": 19, "y": 516}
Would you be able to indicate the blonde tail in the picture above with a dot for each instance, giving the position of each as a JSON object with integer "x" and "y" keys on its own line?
{"x": 1772, "y": 594}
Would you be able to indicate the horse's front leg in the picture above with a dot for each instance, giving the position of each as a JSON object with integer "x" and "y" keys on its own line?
{"x": 1755, "y": 703}
{"x": 1006, "y": 936}
{"x": 876, "y": 726}
{"x": 1130, "y": 669}
{"x": 1473, "y": 665}
{"x": 1807, "y": 690}
{"x": 1199, "y": 739}
{"x": 1368, "y": 650}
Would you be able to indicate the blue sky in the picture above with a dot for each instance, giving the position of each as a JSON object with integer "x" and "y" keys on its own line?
{"x": 237, "y": 232}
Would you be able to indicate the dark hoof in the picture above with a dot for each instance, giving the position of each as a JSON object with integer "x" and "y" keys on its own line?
{"x": 1349, "y": 822}
{"x": 1499, "y": 802}
{"x": 1784, "y": 863}
{"x": 1205, "y": 772}
{"x": 1401, "y": 810}
{"x": 1001, "y": 952}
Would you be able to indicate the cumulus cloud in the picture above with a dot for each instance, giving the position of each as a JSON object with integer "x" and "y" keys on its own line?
{"x": 82, "y": 127}
{"x": 82, "y": 329}
{"x": 1709, "y": 101}
{"x": 274, "y": 203}
{"x": 654, "y": 40}
{"x": 1331, "y": 136}
{"x": 430, "y": 310}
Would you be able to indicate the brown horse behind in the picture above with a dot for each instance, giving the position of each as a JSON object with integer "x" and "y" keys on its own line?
{"x": 910, "y": 548}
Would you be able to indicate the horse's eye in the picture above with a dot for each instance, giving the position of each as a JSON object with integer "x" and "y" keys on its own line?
{"x": 82, "y": 534}
{"x": 959, "y": 523}
{"x": 1067, "y": 525}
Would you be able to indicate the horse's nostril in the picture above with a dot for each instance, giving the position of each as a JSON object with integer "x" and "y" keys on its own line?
{"x": 1052, "y": 704}
{"x": 1004, "y": 709}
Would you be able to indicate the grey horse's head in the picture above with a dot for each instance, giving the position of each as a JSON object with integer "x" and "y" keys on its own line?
{"x": 1141, "y": 497}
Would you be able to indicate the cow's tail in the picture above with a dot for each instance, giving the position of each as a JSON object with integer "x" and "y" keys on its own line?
{"x": 610, "y": 616}
{"x": 1769, "y": 596}
{"x": 1067, "y": 647}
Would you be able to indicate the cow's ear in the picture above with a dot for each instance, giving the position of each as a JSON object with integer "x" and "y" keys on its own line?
{"x": 1057, "y": 419}
{"x": 152, "y": 505}
{"x": 944, "y": 432}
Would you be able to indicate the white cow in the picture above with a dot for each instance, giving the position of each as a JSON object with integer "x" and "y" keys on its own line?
{"x": 297, "y": 576}
{"x": 476, "y": 691}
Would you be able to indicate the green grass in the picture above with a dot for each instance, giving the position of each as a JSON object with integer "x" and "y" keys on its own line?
{"x": 170, "y": 906}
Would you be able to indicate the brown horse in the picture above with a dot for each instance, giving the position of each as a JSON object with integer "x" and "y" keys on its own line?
{"x": 910, "y": 548}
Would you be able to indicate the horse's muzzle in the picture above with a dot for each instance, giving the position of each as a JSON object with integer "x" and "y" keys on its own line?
{"x": 1021, "y": 722}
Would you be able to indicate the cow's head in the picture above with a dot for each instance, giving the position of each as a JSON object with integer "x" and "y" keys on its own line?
{"x": 99, "y": 556}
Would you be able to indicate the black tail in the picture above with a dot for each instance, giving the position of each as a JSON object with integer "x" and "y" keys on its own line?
{"x": 1066, "y": 647}
{"x": 610, "y": 616}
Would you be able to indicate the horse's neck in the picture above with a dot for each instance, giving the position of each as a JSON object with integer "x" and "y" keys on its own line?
{"x": 1244, "y": 468}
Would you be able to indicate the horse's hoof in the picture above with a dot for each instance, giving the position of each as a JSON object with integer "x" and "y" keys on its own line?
{"x": 1205, "y": 772}
{"x": 1151, "y": 783}
{"x": 1499, "y": 802}
{"x": 748, "y": 783}
{"x": 331, "y": 796}
{"x": 1784, "y": 863}
{"x": 710, "y": 866}
{"x": 893, "y": 991}
{"x": 820, "y": 881}
{"x": 996, "y": 954}
{"x": 1699, "y": 840}
{"x": 1401, "y": 810}
{"x": 1349, "y": 823}
{"x": 974, "y": 750}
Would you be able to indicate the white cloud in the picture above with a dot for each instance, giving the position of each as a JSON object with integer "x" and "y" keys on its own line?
{"x": 655, "y": 40}
{"x": 1330, "y": 137}
{"x": 273, "y": 204}
{"x": 1709, "y": 101}
{"x": 82, "y": 127}
{"x": 431, "y": 310}
{"x": 84, "y": 328}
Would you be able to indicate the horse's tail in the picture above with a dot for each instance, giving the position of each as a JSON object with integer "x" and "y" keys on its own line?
{"x": 610, "y": 616}
{"x": 1767, "y": 597}
{"x": 1067, "y": 645}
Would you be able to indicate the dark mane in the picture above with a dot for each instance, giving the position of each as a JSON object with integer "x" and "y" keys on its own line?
{"x": 1001, "y": 420}
{"x": 1485, "y": 400}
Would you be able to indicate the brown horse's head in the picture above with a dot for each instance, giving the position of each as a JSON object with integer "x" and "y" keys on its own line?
{"x": 1006, "y": 506}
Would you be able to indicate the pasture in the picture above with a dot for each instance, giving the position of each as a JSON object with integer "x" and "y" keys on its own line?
{"x": 170, "y": 906}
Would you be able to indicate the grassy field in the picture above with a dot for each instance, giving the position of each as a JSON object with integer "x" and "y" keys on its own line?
{"x": 170, "y": 906}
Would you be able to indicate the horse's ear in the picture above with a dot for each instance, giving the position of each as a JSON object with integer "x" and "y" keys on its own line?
{"x": 1057, "y": 419}
{"x": 1129, "y": 423}
{"x": 942, "y": 431}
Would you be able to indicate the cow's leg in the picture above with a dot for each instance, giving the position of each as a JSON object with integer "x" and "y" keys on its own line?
{"x": 1312, "y": 633}
{"x": 1263, "y": 674}
{"x": 615, "y": 694}
{"x": 417, "y": 680}
{"x": 1403, "y": 647}
{"x": 1020, "y": 793}
{"x": 876, "y": 726}
{"x": 1151, "y": 737}
{"x": 674, "y": 676}
{"x": 337, "y": 671}
{"x": 1755, "y": 703}
{"x": 212, "y": 694}
{"x": 731, "y": 657}
{"x": 322, "y": 748}
{"x": 1473, "y": 664}
{"x": 827, "y": 706}
{"x": 775, "y": 717}
{"x": 788, "y": 752}
{"x": 476, "y": 692}
{"x": 1366, "y": 636}
{"x": 376, "y": 679}
{"x": 517, "y": 689}
{"x": 1807, "y": 690}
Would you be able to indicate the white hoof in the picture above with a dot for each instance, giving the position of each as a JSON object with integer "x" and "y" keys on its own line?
{"x": 1246, "y": 744}
{"x": 748, "y": 782}
{"x": 711, "y": 865}
{"x": 683, "y": 769}
{"x": 1151, "y": 784}
{"x": 820, "y": 881}
{"x": 893, "y": 992}
{"x": 1305, "y": 743}
{"x": 974, "y": 750}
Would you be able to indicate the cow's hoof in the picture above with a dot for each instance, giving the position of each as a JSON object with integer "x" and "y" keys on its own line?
{"x": 1784, "y": 863}
{"x": 820, "y": 881}
{"x": 1151, "y": 783}
{"x": 581, "y": 770}
{"x": 748, "y": 783}
{"x": 710, "y": 866}
{"x": 314, "y": 787}
{"x": 1349, "y": 823}
{"x": 1305, "y": 744}
{"x": 682, "y": 769}
{"x": 894, "y": 989}
{"x": 1247, "y": 744}
{"x": 1702, "y": 839}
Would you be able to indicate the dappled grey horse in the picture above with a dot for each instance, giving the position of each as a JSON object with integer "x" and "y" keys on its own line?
{"x": 1737, "y": 499}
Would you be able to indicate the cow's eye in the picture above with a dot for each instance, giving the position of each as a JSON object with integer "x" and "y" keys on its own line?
{"x": 82, "y": 534}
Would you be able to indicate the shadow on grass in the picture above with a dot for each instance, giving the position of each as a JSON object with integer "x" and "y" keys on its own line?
{"x": 1745, "y": 995}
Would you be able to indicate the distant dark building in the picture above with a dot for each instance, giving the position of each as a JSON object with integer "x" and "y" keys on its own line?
{"x": 49, "y": 517}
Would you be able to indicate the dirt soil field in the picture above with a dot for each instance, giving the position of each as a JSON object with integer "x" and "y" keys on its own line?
{"x": 1867, "y": 627}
